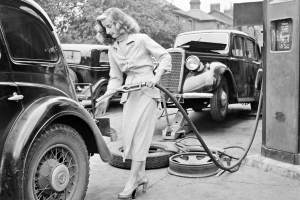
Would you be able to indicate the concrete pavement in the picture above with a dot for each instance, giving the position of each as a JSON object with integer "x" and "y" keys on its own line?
{"x": 256, "y": 179}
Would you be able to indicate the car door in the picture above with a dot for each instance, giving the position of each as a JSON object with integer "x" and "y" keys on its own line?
{"x": 10, "y": 98}
{"x": 253, "y": 63}
{"x": 238, "y": 66}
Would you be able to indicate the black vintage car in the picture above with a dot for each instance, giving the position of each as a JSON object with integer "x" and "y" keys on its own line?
{"x": 46, "y": 136}
{"x": 89, "y": 63}
{"x": 213, "y": 68}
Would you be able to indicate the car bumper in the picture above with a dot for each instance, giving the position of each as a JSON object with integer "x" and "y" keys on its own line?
{"x": 196, "y": 95}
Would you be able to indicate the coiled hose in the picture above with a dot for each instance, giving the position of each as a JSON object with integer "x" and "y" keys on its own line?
{"x": 230, "y": 168}
{"x": 235, "y": 166}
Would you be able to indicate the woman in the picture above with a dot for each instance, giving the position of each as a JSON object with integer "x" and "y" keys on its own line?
{"x": 133, "y": 53}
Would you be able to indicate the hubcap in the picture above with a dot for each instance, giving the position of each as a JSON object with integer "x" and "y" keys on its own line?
{"x": 60, "y": 178}
{"x": 56, "y": 174}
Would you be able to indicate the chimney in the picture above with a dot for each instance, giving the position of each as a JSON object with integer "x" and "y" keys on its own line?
{"x": 195, "y": 4}
{"x": 215, "y": 7}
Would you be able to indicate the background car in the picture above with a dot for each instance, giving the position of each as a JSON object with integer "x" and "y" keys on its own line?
{"x": 89, "y": 68}
{"x": 46, "y": 136}
{"x": 213, "y": 68}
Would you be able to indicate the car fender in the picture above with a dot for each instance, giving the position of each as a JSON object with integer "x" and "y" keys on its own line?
{"x": 29, "y": 124}
{"x": 220, "y": 70}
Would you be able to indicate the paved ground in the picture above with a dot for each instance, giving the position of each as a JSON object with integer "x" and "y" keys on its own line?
{"x": 248, "y": 183}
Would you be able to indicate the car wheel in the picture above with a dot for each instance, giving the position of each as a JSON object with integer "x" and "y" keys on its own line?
{"x": 157, "y": 158}
{"x": 219, "y": 101}
{"x": 57, "y": 166}
{"x": 192, "y": 165}
{"x": 99, "y": 91}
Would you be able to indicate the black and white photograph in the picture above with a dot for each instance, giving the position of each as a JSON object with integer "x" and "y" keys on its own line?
{"x": 149, "y": 99}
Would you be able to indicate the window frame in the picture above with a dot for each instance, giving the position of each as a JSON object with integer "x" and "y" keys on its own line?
{"x": 242, "y": 44}
{"x": 254, "y": 56}
{"x": 40, "y": 19}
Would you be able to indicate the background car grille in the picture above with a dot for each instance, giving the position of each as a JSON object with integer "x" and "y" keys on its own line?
{"x": 171, "y": 80}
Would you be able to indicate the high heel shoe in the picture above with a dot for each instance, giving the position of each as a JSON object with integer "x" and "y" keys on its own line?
{"x": 143, "y": 182}
{"x": 129, "y": 195}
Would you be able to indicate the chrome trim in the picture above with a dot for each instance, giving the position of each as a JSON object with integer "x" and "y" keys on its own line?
{"x": 88, "y": 67}
{"x": 180, "y": 85}
{"x": 182, "y": 51}
{"x": 16, "y": 97}
{"x": 9, "y": 83}
{"x": 194, "y": 95}
{"x": 42, "y": 86}
{"x": 245, "y": 100}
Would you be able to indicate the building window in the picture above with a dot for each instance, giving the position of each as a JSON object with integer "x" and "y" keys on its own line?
{"x": 191, "y": 24}
{"x": 177, "y": 18}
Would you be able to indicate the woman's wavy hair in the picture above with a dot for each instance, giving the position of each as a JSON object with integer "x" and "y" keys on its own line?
{"x": 125, "y": 21}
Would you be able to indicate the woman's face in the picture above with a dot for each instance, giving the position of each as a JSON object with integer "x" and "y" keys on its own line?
{"x": 111, "y": 28}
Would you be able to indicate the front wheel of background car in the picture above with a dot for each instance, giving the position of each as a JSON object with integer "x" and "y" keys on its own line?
{"x": 57, "y": 165}
{"x": 219, "y": 101}
{"x": 99, "y": 91}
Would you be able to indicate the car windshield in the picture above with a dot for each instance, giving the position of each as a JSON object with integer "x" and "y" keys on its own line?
{"x": 73, "y": 57}
{"x": 206, "y": 37}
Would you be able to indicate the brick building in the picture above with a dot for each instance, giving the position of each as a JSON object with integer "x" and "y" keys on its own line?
{"x": 196, "y": 19}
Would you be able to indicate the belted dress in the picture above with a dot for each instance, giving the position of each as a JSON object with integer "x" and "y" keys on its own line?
{"x": 135, "y": 56}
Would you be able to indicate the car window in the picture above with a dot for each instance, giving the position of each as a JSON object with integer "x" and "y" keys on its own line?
{"x": 27, "y": 36}
{"x": 73, "y": 57}
{"x": 207, "y": 37}
{"x": 238, "y": 47}
{"x": 250, "y": 49}
{"x": 257, "y": 52}
{"x": 103, "y": 56}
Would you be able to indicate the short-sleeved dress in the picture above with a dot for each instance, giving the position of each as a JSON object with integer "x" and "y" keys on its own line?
{"x": 135, "y": 57}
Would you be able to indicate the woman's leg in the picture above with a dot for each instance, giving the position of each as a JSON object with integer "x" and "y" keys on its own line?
{"x": 132, "y": 182}
{"x": 142, "y": 171}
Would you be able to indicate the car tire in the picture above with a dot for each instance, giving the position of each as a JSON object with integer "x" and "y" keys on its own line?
{"x": 219, "y": 101}
{"x": 57, "y": 165}
{"x": 158, "y": 156}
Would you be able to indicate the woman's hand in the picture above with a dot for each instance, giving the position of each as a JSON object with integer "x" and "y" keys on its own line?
{"x": 155, "y": 80}
{"x": 101, "y": 107}
{"x": 103, "y": 102}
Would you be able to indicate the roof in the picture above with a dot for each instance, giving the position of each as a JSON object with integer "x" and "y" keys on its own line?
{"x": 196, "y": 14}
{"x": 85, "y": 49}
{"x": 220, "y": 16}
{"x": 215, "y": 31}
{"x": 200, "y": 15}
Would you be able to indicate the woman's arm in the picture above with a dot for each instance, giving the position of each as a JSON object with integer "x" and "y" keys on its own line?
{"x": 115, "y": 74}
{"x": 159, "y": 53}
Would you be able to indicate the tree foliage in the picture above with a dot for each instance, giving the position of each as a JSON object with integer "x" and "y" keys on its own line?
{"x": 75, "y": 19}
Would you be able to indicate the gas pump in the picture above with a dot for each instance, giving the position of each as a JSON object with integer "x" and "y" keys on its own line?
{"x": 280, "y": 139}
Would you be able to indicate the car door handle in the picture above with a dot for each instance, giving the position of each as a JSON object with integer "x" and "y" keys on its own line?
{"x": 15, "y": 97}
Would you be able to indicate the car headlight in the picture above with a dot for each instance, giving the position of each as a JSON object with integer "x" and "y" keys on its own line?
{"x": 193, "y": 63}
